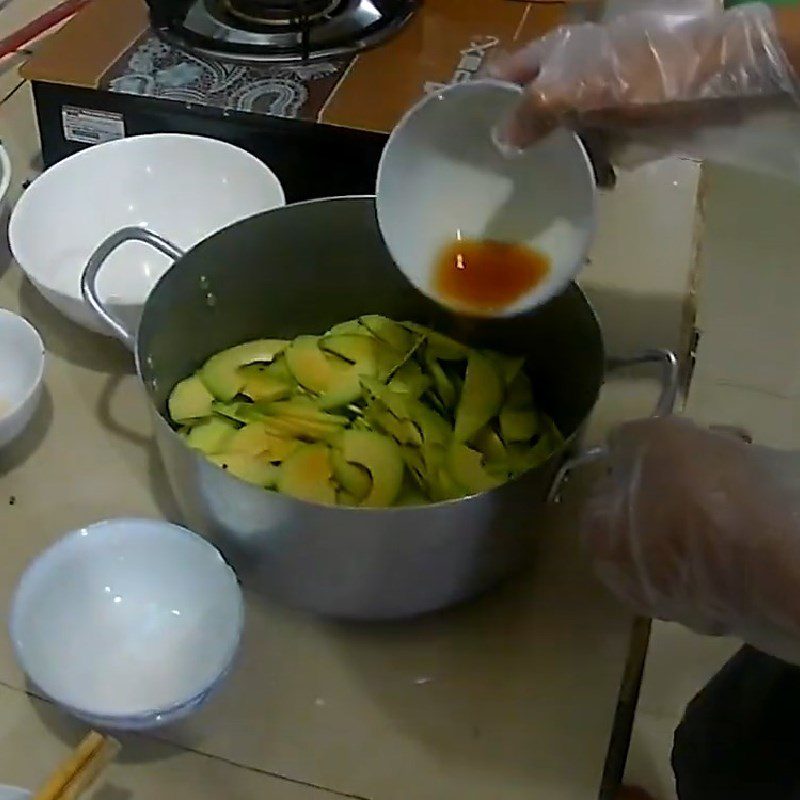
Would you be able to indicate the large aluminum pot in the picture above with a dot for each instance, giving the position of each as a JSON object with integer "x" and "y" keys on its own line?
{"x": 300, "y": 269}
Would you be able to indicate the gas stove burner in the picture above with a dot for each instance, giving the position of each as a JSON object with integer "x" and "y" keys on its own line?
{"x": 280, "y": 12}
{"x": 278, "y": 30}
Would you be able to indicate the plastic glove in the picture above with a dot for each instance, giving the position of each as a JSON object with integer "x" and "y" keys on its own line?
{"x": 651, "y": 78}
{"x": 701, "y": 528}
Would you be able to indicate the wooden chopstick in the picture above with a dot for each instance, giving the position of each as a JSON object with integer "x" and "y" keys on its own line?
{"x": 80, "y": 770}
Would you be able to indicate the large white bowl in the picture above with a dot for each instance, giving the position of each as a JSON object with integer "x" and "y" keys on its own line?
{"x": 442, "y": 178}
{"x": 129, "y": 623}
{"x": 182, "y": 187}
{"x": 22, "y": 368}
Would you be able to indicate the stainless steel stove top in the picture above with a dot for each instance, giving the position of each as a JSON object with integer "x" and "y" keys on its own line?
{"x": 278, "y": 30}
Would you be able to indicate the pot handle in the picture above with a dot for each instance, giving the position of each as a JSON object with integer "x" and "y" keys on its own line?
{"x": 96, "y": 261}
{"x": 664, "y": 406}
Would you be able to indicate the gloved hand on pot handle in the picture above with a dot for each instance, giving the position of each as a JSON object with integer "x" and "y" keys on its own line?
{"x": 655, "y": 81}
{"x": 701, "y": 528}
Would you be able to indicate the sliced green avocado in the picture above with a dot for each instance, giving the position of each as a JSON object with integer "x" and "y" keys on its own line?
{"x": 490, "y": 444}
{"x": 304, "y": 409}
{"x": 254, "y": 439}
{"x": 309, "y": 366}
{"x": 239, "y": 411}
{"x": 212, "y": 435}
{"x": 520, "y": 393}
{"x": 442, "y": 347}
{"x": 189, "y": 400}
{"x": 220, "y": 373}
{"x": 518, "y": 424}
{"x": 410, "y": 380}
{"x": 247, "y": 467}
{"x": 508, "y": 366}
{"x": 410, "y": 495}
{"x": 382, "y": 458}
{"x": 334, "y": 380}
{"x": 354, "y": 479}
{"x": 480, "y": 398}
{"x": 260, "y": 384}
{"x": 359, "y": 350}
{"x": 352, "y": 326}
{"x": 443, "y": 486}
{"x": 368, "y": 355}
{"x": 466, "y": 467}
{"x": 307, "y": 475}
{"x": 305, "y": 429}
{"x": 444, "y": 387}
{"x": 387, "y": 330}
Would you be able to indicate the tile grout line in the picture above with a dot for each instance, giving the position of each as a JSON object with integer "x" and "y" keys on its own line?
{"x": 203, "y": 754}
{"x": 12, "y": 92}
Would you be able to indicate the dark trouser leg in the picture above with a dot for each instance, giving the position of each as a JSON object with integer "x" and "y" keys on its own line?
{"x": 740, "y": 737}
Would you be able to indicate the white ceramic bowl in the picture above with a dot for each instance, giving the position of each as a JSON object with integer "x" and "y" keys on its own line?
{"x": 442, "y": 178}
{"x": 182, "y": 187}
{"x": 128, "y": 624}
{"x": 22, "y": 368}
{"x": 13, "y": 793}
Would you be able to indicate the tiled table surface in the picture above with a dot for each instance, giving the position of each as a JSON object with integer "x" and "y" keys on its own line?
{"x": 512, "y": 696}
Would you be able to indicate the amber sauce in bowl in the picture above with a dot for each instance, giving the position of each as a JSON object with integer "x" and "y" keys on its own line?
{"x": 485, "y": 276}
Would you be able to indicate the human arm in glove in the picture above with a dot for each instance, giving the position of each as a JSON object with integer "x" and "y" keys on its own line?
{"x": 650, "y": 76}
{"x": 701, "y": 528}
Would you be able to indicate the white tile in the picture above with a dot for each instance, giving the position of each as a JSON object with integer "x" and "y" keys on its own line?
{"x": 649, "y": 756}
{"x": 640, "y": 273}
{"x": 771, "y": 419}
{"x": 749, "y": 289}
{"x": 680, "y": 663}
{"x": 34, "y": 738}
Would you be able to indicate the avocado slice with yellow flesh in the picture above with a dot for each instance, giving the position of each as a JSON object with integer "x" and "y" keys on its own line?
{"x": 247, "y": 467}
{"x": 239, "y": 411}
{"x": 508, "y": 366}
{"x": 354, "y": 479}
{"x": 334, "y": 380}
{"x": 220, "y": 373}
{"x": 410, "y": 380}
{"x": 212, "y": 435}
{"x": 368, "y": 355}
{"x": 305, "y": 429}
{"x": 302, "y": 408}
{"x": 518, "y": 424}
{"x": 442, "y": 347}
{"x": 480, "y": 399}
{"x": 520, "y": 392}
{"x": 381, "y": 457}
{"x": 254, "y": 439}
{"x": 387, "y": 330}
{"x": 444, "y": 387}
{"x": 189, "y": 400}
{"x": 351, "y": 326}
{"x": 488, "y": 441}
{"x": 308, "y": 475}
{"x": 260, "y": 384}
{"x": 443, "y": 486}
{"x": 467, "y": 468}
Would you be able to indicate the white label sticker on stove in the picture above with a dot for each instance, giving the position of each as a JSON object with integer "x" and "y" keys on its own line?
{"x": 91, "y": 127}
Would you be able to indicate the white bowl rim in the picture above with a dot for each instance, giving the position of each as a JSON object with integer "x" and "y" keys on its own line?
{"x": 5, "y": 172}
{"x": 90, "y": 152}
{"x": 4, "y": 312}
{"x": 36, "y": 564}
{"x": 556, "y": 287}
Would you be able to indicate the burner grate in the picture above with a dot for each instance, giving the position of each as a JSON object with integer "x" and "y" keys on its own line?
{"x": 280, "y": 12}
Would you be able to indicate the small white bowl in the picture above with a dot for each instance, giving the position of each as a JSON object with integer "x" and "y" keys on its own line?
{"x": 441, "y": 178}
{"x": 129, "y": 623}
{"x": 13, "y": 793}
{"x": 182, "y": 187}
{"x": 22, "y": 367}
